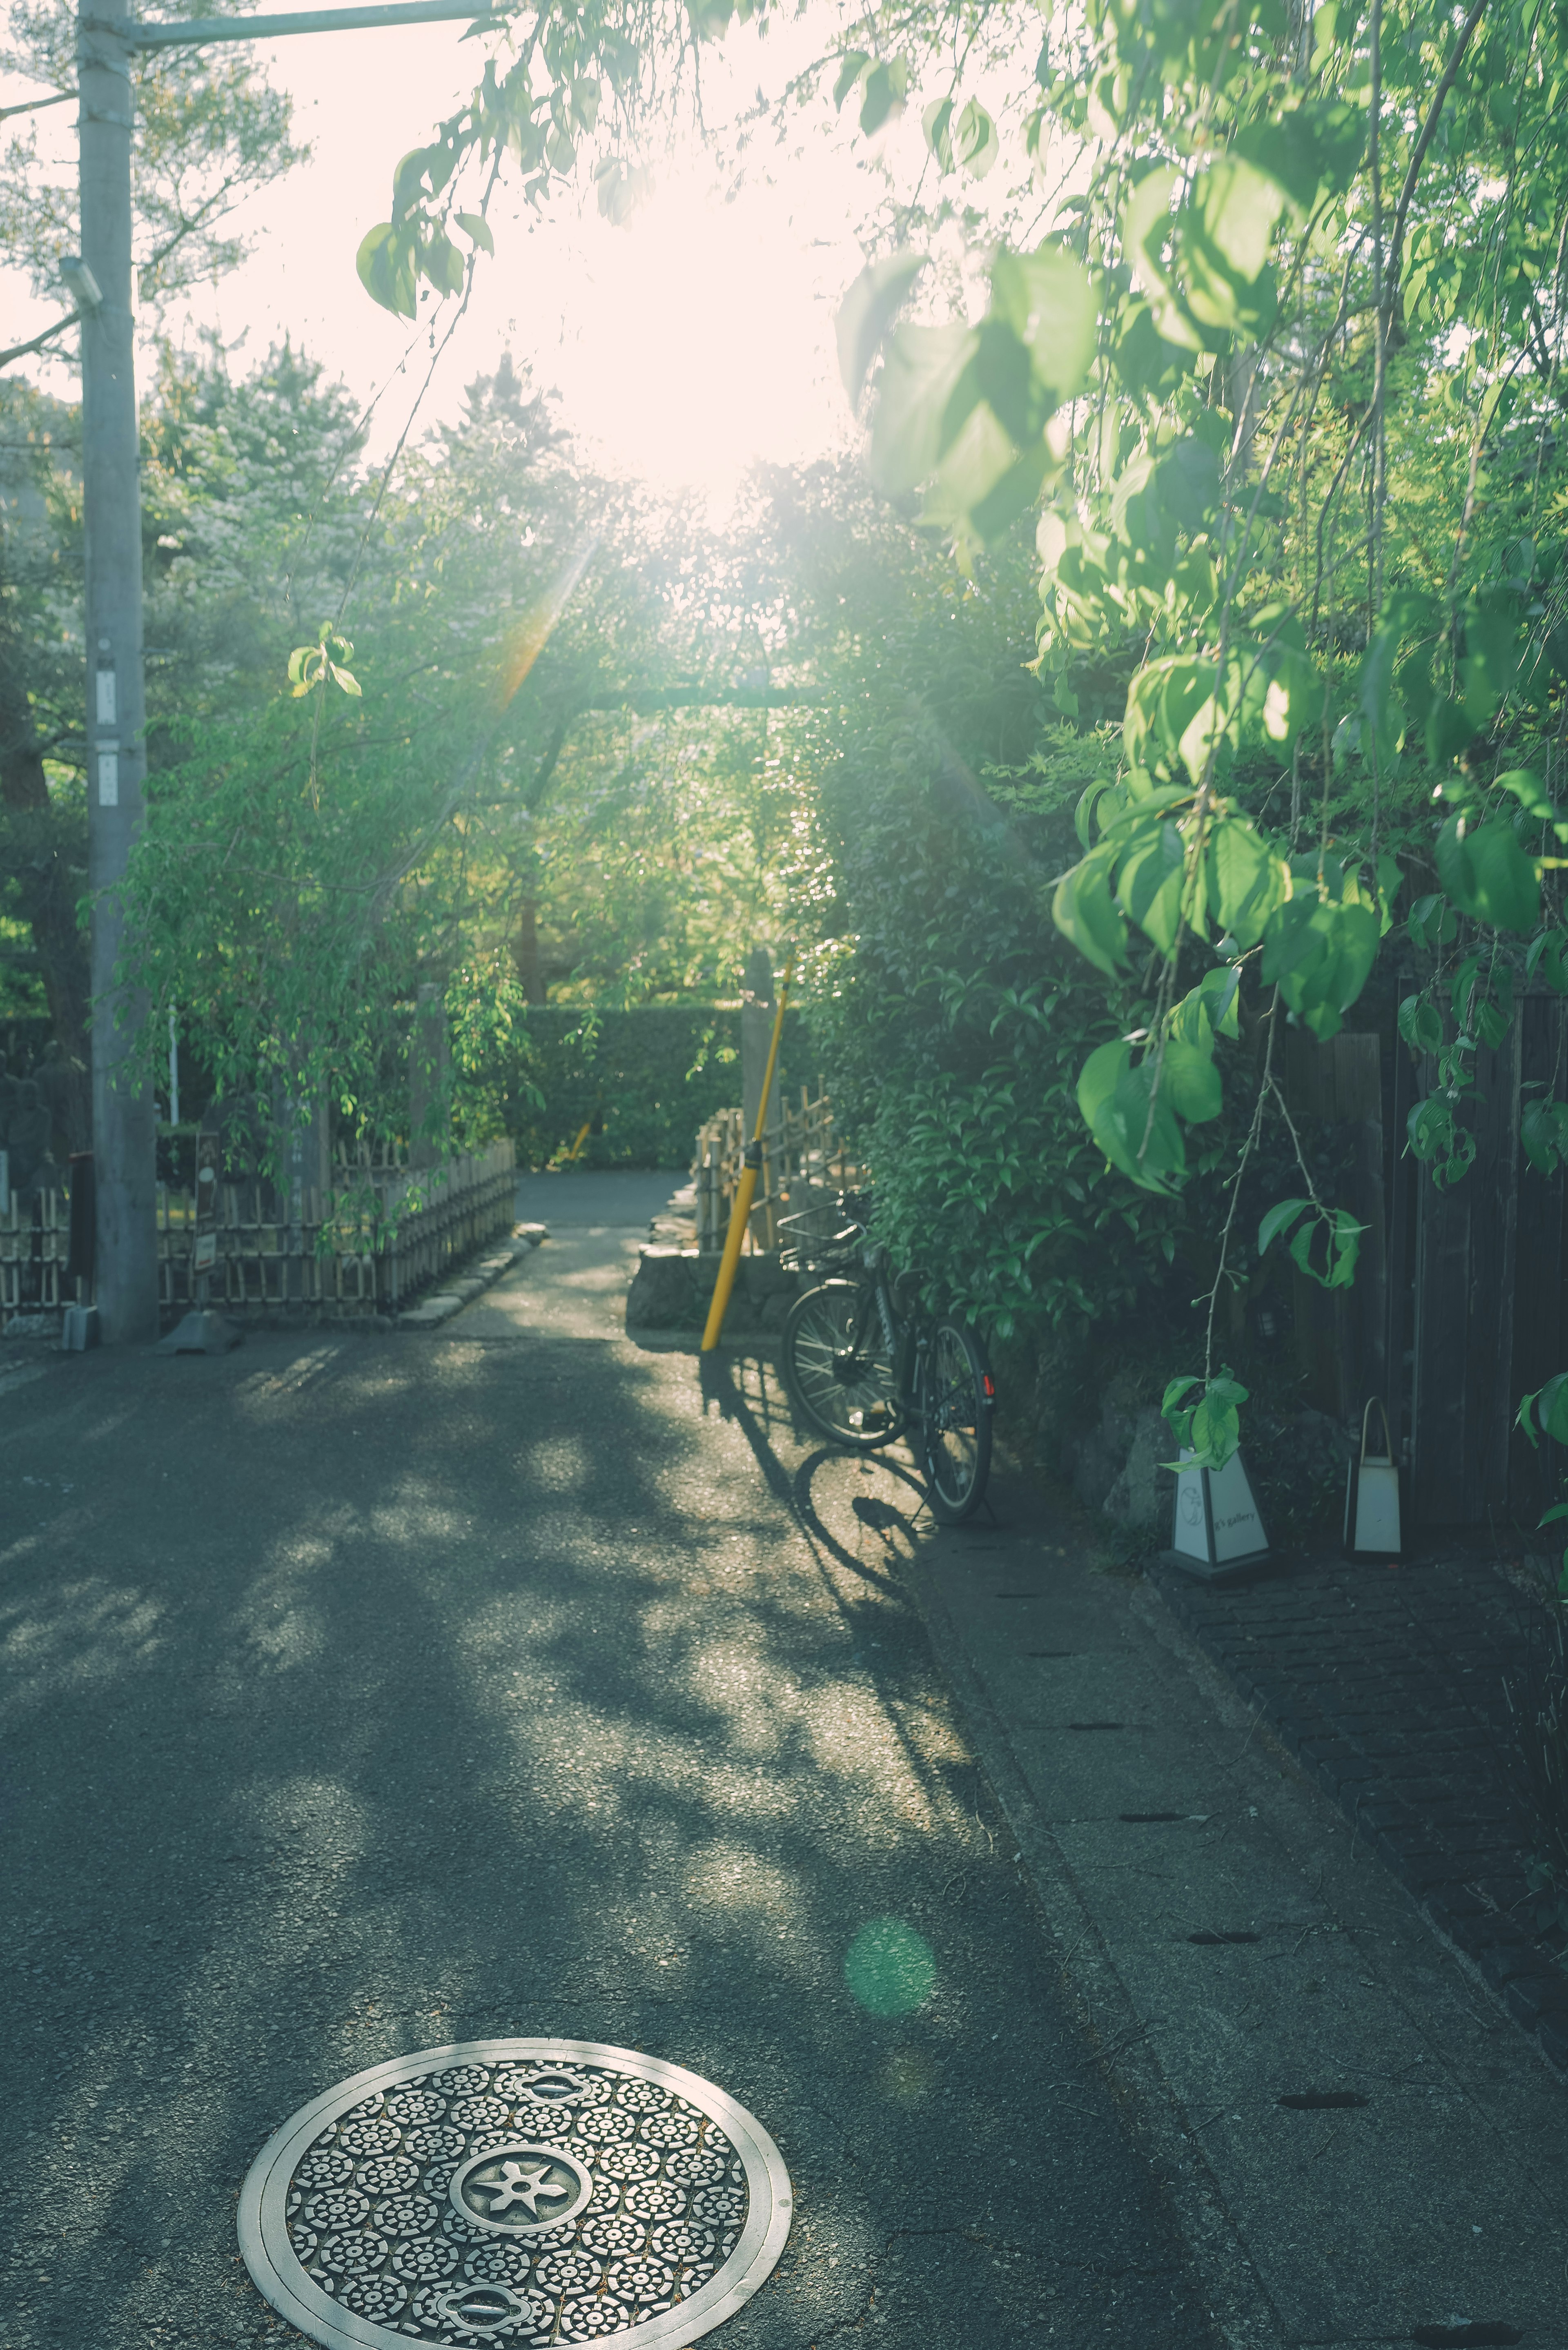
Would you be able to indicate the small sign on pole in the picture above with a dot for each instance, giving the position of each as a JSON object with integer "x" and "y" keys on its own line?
{"x": 205, "y": 1254}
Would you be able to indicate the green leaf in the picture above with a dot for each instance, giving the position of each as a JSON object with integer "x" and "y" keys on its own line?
{"x": 1012, "y": 494}
{"x": 1247, "y": 880}
{"x": 1544, "y": 1133}
{"x": 385, "y": 272}
{"x": 868, "y": 310}
{"x": 975, "y": 142}
{"x": 885, "y": 85}
{"x": 1084, "y": 912}
{"x": 1420, "y": 1024}
{"x": 1281, "y": 1216}
{"x": 442, "y": 263}
{"x": 476, "y": 228}
{"x": 937, "y": 123}
{"x": 1217, "y": 1424}
{"x": 1222, "y": 991}
{"x": 346, "y": 678}
{"x": 1146, "y": 362}
{"x": 1534, "y": 799}
{"x": 1088, "y": 799}
{"x": 1048, "y": 299}
{"x": 408, "y": 179}
{"x": 1115, "y": 1100}
{"x": 852, "y": 65}
{"x": 1321, "y": 953}
{"x": 1149, "y": 886}
{"x": 1225, "y": 230}
{"x": 1491, "y": 662}
{"x": 1193, "y": 1082}
{"x": 1548, "y": 955}
{"x": 1487, "y": 875}
{"x": 1546, "y": 1407}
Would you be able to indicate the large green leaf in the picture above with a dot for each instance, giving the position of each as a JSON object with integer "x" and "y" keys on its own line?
{"x": 975, "y": 142}
{"x": 1149, "y": 885}
{"x": 1321, "y": 953}
{"x": 1048, "y": 299}
{"x": 922, "y": 369}
{"x": 1307, "y": 150}
{"x": 1491, "y": 662}
{"x": 1137, "y": 1130}
{"x": 385, "y": 273}
{"x": 1486, "y": 874}
{"x": 1224, "y": 232}
{"x": 868, "y": 310}
{"x": 1193, "y": 1082}
{"x": 1247, "y": 880}
{"x": 1084, "y": 911}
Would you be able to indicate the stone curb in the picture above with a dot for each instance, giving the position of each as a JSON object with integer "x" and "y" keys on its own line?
{"x": 432, "y": 1311}
{"x": 1518, "y": 1972}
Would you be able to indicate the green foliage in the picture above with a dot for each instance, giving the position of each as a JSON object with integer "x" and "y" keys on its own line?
{"x": 1211, "y": 1428}
{"x": 1544, "y": 1412}
{"x": 1341, "y": 1237}
{"x": 642, "y": 1079}
{"x": 519, "y": 783}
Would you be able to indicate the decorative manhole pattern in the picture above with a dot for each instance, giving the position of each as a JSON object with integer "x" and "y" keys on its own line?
{"x": 515, "y": 2191}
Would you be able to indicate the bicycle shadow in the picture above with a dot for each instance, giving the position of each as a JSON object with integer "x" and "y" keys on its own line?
{"x": 763, "y": 1409}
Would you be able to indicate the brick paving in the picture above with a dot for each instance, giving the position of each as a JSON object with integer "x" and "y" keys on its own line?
{"x": 1387, "y": 1686}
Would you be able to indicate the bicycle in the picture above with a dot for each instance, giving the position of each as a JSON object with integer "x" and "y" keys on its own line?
{"x": 867, "y": 1363}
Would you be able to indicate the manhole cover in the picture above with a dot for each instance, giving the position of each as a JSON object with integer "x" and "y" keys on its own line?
{"x": 515, "y": 2191}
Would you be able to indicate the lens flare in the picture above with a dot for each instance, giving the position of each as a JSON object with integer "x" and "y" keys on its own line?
{"x": 527, "y": 641}
{"x": 889, "y": 1968}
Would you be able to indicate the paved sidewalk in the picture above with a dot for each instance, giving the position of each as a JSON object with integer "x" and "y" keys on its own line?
{"x": 1387, "y": 1685}
{"x": 1360, "y": 2146}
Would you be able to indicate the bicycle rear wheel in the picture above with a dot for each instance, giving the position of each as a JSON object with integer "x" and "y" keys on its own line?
{"x": 958, "y": 1399}
{"x": 841, "y": 1376}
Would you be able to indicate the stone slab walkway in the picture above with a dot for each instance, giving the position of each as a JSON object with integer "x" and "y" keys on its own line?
{"x": 1387, "y": 1686}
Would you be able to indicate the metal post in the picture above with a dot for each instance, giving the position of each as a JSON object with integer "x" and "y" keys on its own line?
{"x": 123, "y": 1116}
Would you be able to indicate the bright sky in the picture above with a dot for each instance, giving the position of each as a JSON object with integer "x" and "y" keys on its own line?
{"x": 684, "y": 345}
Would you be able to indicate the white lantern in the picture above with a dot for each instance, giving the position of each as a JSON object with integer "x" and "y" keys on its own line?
{"x": 1218, "y": 1531}
{"x": 1372, "y": 1496}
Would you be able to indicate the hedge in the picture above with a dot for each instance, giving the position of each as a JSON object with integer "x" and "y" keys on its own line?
{"x": 649, "y": 1075}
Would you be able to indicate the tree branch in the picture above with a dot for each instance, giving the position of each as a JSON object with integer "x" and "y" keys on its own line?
{"x": 1419, "y": 155}
{"x": 21, "y": 351}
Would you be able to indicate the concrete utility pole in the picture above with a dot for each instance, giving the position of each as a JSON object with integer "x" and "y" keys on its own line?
{"x": 124, "y": 1129}
{"x": 124, "y": 1117}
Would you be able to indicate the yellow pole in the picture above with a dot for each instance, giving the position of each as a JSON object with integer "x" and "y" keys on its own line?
{"x": 741, "y": 1210}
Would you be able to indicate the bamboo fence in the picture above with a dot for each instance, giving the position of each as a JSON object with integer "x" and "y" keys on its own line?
{"x": 371, "y": 1244}
{"x": 802, "y": 1161}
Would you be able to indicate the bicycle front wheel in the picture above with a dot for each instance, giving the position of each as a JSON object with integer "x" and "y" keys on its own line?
{"x": 958, "y": 1399}
{"x": 837, "y": 1367}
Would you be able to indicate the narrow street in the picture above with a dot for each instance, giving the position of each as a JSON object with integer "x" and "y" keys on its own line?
{"x": 364, "y": 1694}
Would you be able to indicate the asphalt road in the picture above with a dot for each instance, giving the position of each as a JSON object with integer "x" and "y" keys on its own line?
{"x": 365, "y": 1693}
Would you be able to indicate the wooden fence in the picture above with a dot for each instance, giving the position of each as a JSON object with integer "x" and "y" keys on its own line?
{"x": 1459, "y": 1303}
{"x": 803, "y": 1159}
{"x": 368, "y": 1246}
{"x": 35, "y": 1243}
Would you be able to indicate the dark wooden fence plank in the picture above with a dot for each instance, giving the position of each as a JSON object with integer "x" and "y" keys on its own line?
{"x": 1465, "y": 1270}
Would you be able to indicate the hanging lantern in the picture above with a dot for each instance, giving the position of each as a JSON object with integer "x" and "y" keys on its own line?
{"x": 1218, "y": 1531}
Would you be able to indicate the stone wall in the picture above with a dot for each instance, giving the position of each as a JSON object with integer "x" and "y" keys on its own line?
{"x": 673, "y": 1289}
